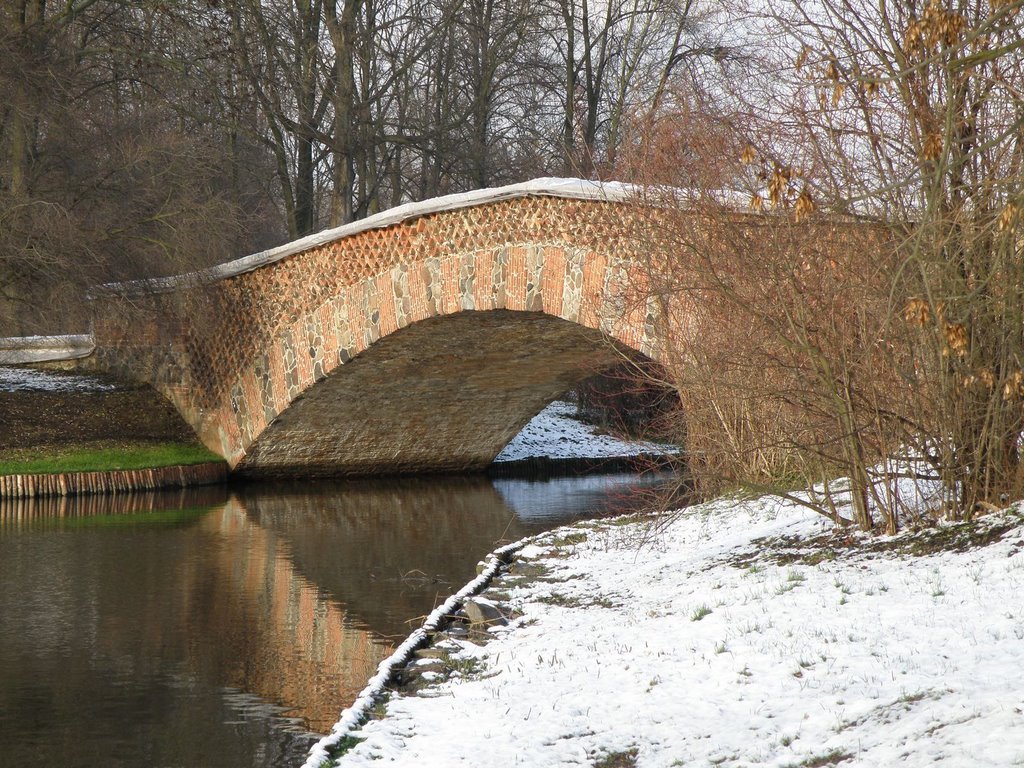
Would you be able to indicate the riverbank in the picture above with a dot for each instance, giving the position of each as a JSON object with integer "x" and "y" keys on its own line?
{"x": 734, "y": 633}
{"x": 32, "y": 485}
{"x": 43, "y": 409}
{"x": 67, "y": 434}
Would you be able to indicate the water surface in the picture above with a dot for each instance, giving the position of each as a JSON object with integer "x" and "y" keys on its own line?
{"x": 228, "y": 628}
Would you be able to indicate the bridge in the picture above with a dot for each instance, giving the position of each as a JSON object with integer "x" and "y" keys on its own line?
{"x": 421, "y": 339}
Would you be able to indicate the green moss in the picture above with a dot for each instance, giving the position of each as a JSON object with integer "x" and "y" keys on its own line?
{"x": 102, "y": 457}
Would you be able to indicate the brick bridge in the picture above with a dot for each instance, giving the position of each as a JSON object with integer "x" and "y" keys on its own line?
{"x": 421, "y": 339}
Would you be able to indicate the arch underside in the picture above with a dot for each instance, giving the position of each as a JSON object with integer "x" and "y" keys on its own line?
{"x": 443, "y": 394}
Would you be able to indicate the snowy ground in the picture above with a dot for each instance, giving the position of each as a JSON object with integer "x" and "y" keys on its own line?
{"x": 692, "y": 644}
{"x": 28, "y": 380}
{"x": 555, "y": 433}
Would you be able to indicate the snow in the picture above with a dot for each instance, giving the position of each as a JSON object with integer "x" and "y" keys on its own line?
{"x": 555, "y": 433}
{"x": 545, "y": 187}
{"x": 572, "y": 189}
{"x": 683, "y": 638}
{"x": 18, "y": 350}
{"x": 27, "y": 380}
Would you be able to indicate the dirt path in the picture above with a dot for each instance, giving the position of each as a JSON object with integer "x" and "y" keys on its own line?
{"x": 33, "y": 419}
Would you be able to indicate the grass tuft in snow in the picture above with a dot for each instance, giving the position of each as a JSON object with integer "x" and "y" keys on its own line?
{"x": 624, "y": 759}
{"x": 700, "y": 613}
{"x": 463, "y": 666}
{"x": 835, "y": 757}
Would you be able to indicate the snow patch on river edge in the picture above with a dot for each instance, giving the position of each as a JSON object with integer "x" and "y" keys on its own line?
{"x": 556, "y": 433}
{"x": 689, "y": 643}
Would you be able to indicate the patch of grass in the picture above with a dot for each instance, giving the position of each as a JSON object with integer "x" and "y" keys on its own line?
{"x": 104, "y": 457}
{"x": 700, "y": 613}
{"x": 380, "y": 708}
{"x": 465, "y": 666}
{"x": 834, "y": 757}
{"x": 339, "y": 749}
{"x": 630, "y": 519}
{"x": 569, "y": 539}
{"x": 522, "y": 572}
{"x": 624, "y": 759}
{"x": 960, "y": 537}
{"x": 939, "y": 537}
{"x": 913, "y": 698}
{"x": 566, "y": 601}
{"x": 824, "y": 555}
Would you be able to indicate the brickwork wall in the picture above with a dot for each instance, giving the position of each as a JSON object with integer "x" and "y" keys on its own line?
{"x": 234, "y": 355}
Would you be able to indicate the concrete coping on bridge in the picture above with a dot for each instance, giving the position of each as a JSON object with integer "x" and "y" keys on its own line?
{"x": 577, "y": 189}
{"x": 20, "y": 350}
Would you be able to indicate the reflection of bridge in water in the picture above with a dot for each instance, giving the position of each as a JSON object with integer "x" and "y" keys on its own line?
{"x": 221, "y": 599}
{"x": 288, "y": 641}
{"x": 422, "y": 530}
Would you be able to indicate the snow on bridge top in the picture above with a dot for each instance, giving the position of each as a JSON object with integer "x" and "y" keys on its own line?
{"x": 574, "y": 189}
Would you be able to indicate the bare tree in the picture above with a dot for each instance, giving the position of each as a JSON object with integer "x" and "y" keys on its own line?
{"x": 881, "y": 313}
{"x": 911, "y": 116}
{"x": 114, "y": 164}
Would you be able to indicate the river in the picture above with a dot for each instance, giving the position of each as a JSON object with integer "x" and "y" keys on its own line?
{"x": 228, "y": 627}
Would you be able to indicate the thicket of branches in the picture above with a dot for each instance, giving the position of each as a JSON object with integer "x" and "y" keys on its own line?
{"x": 876, "y": 310}
{"x": 143, "y": 138}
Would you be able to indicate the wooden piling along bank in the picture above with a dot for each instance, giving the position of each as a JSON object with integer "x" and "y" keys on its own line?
{"x": 113, "y": 481}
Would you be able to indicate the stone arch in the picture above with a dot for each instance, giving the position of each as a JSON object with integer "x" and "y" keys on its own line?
{"x": 565, "y": 309}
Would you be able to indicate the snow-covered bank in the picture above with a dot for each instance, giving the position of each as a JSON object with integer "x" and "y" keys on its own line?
{"x": 556, "y": 433}
{"x": 698, "y": 643}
